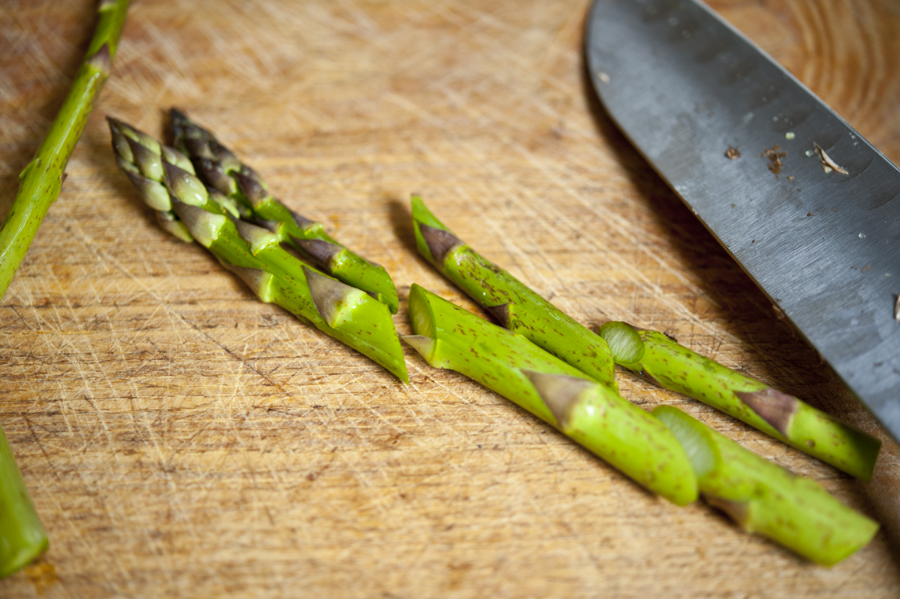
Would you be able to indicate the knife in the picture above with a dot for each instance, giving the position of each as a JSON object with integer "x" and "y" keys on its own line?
{"x": 817, "y": 228}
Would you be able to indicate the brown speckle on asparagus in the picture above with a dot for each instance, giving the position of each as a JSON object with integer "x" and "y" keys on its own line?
{"x": 323, "y": 251}
{"x": 739, "y": 511}
{"x": 500, "y": 314}
{"x": 773, "y": 406}
{"x": 559, "y": 392}
{"x": 439, "y": 242}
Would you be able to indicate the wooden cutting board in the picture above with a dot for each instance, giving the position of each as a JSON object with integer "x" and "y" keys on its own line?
{"x": 181, "y": 439}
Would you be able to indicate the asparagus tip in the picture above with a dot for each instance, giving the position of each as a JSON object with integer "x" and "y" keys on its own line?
{"x": 773, "y": 406}
{"x": 560, "y": 392}
{"x": 257, "y": 237}
{"x": 251, "y": 188}
{"x": 439, "y": 242}
{"x": 203, "y": 225}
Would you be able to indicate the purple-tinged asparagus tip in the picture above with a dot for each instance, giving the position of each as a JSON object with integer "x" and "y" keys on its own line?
{"x": 178, "y": 117}
{"x": 105, "y": 5}
{"x": 101, "y": 60}
{"x": 171, "y": 225}
{"x": 184, "y": 185}
{"x": 252, "y": 189}
{"x": 323, "y": 251}
{"x": 175, "y": 157}
{"x": 211, "y": 172}
{"x": 149, "y": 162}
{"x": 152, "y": 192}
{"x": 439, "y": 242}
{"x": 196, "y": 146}
{"x": 773, "y": 406}
{"x": 559, "y": 392}
{"x": 257, "y": 237}
{"x": 500, "y": 314}
{"x": 203, "y": 225}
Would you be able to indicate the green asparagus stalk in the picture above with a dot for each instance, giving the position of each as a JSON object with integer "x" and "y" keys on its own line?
{"x": 664, "y": 362}
{"x": 22, "y": 537}
{"x": 764, "y": 498}
{"x": 513, "y": 304}
{"x": 41, "y": 181}
{"x": 588, "y": 412}
{"x": 348, "y": 314}
{"x": 219, "y": 168}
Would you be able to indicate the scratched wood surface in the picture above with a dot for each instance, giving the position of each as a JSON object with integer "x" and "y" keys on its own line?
{"x": 181, "y": 439}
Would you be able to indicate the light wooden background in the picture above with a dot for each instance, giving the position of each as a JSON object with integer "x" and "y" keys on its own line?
{"x": 181, "y": 439}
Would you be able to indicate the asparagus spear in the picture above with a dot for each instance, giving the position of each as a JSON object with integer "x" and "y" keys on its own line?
{"x": 340, "y": 311}
{"x": 22, "y": 537}
{"x": 664, "y": 362}
{"x": 588, "y": 412}
{"x": 219, "y": 168}
{"x": 513, "y": 304}
{"x": 765, "y": 498}
{"x": 41, "y": 181}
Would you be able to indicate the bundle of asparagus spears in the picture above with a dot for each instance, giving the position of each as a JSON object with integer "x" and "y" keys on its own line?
{"x": 540, "y": 358}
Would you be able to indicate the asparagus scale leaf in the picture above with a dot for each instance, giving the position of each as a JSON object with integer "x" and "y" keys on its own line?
{"x": 764, "y": 498}
{"x": 515, "y": 306}
{"x": 22, "y": 537}
{"x": 219, "y": 168}
{"x": 664, "y": 362}
{"x": 209, "y": 217}
{"x": 588, "y": 412}
{"x": 41, "y": 181}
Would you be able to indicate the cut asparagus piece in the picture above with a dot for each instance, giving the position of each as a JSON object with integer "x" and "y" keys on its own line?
{"x": 41, "y": 181}
{"x": 514, "y": 305}
{"x": 22, "y": 537}
{"x": 764, "y": 498}
{"x": 588, "y": 412}
{"x": 664, "y": 362}
{"x": 219, "y": 168}
{"x": 348, "y": 314}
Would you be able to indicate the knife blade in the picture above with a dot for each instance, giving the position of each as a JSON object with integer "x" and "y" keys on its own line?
{"x": 817, "y": 228}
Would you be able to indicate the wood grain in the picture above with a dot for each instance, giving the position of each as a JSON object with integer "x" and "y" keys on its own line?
{"x": 180, "y": 439}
